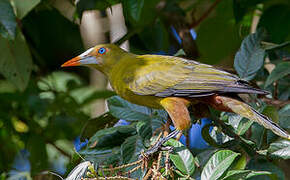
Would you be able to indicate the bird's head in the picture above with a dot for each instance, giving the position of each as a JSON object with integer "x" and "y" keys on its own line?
{"x": 100, "y": 57}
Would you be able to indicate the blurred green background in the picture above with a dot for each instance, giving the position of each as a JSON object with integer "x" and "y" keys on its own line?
{"x": 45, "y": 109}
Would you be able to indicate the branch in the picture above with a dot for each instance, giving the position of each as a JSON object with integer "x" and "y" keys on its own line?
{"x": 59, "y": 149}
{"x": 275, "y": 102}
{"x": 205, "y": 15}
{"x": 127, "y": 36}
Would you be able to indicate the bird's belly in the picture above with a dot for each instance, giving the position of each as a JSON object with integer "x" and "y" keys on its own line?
{"x": 149, "y": 101}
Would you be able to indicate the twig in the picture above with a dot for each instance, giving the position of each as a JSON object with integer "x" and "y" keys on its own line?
{"x": 127, "y": 36}
{"x": 109, "y": 178}
{"x": 205, "y": 15}
{"x": 134, "y": 169}
{"x": 275, "y": 102}
{"x": 166, "y": 163}
{"x": 275, "y": 94}
{"x": 148, "y": 174}
{"x": 159, "y": 160}
{"x": 123, "y": 166}
{"x": 59, "y": 149}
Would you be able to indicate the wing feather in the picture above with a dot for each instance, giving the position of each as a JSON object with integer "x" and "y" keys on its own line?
{"x": 165, "y": 76}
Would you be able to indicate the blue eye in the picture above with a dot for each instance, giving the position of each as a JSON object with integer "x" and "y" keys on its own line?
{"x": 102, "y": 50}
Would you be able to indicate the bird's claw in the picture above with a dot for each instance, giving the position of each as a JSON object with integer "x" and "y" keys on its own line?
{"x": 158, "y": 146}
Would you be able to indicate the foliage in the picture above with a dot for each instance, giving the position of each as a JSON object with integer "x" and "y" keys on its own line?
{"x": 43, "y": 110}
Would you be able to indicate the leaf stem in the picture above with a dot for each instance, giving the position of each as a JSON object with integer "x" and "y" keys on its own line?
{"x": 205, "y": 15}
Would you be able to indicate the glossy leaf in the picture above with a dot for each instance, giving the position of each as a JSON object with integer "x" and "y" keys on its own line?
{"x": 250, "y": 58}
{"x": 243, "y": 174}
{"x": 15, "y": 61}
{"x": 95, "y": 124}
{"x": 241, "y": 163}
{"x": 134, "y": 8}
{"x": 280, "y": 149}
{"x": 111, "y": 137}
{"x": 147, "y": 128}
{"x": 131, "y": 149}
{"x": 263, "y": 165}
{"x": 244, "y": 125}
{"x": 279, "y": 72}
{"x": 271, "y": 112}
{"x": 101, "y": 155}
{"x": 24, "y": 7}
{"x": 182, "y": 157}
{"x": 218, "y": 164}
{"x": 271, "y": 46}
{"x": 79, "y": 171}
{"x": 284, "y": 116}
{"x": 7, "y": 20}
{"x": 123, "y": 109}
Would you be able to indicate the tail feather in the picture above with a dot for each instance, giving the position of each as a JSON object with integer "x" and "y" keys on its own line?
{"x": 269, "y": 124}
{"x": 247, "y": 111}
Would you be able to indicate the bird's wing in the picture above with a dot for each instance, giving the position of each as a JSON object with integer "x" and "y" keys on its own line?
{"x": 165, "y": 76}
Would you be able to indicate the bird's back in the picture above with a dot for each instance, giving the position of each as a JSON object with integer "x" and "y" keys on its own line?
{"x": 164, "y": 76}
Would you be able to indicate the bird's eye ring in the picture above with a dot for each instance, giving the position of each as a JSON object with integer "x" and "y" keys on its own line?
{"x": 102, "y": 50}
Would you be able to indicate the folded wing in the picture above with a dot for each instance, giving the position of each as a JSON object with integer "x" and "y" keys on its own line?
{"x": 165, "y": 76}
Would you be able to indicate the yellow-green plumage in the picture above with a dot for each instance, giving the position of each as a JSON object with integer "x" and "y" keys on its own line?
{"x": 172, "y": 83}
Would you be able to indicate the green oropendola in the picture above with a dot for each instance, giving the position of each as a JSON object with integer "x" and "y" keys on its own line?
{"x": 172, "y": 83}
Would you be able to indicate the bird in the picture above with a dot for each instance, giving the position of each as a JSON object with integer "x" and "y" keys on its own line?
{"x": 173, "y": 84}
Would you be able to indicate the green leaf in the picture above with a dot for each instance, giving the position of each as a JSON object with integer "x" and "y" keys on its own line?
{"x": 284, "y": 117}
{"x": 271, "y": 46}
{"x": 182, "y": 157}
{"x": 134, "y": 8}
{"x": 207, "y": 136}
{"x": 243, "y": 174}
{"x": 101, "y": 155}
{"x": 280, "y": 71}
{"x": 280, "y": 149}
{"x": 204, "y": 156}
{"x": 258, "y": 173}
{"x": 58, "y": 81}
{"x": 96, "y": 124}
{"x": 241, "y": 7}
{"x": 51, "y": 46}
{"x": 131, "y": 148}
{"x": 264, "y": 165}
{"x": 250, "y": 58}
{"x": 220, "y": 29}
{"x": 244, "y": 125}
{"x": 15, "y": 61}
{"x": 24, "y": 7}
{"x": 7, "y": 20}
{"x": 271, "y": 112}
{"x": 123, "y": 109}
{"x": 218, "y": 164}
{"x": 241, "y": 163}
{"x": 277, "y": 26}
{"x": 111, "y": 137}
{"x": 146, "y": 129}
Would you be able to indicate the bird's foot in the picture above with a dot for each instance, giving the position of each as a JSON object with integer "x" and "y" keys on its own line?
{"x": 158, "y": 145}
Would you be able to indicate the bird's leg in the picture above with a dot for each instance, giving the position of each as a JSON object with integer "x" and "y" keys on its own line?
{"x": 159, "y": 144}
{"x": 177, "y": 110}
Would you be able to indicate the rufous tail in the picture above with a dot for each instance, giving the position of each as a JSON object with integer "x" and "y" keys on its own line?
{"x": 247, "y": 111}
